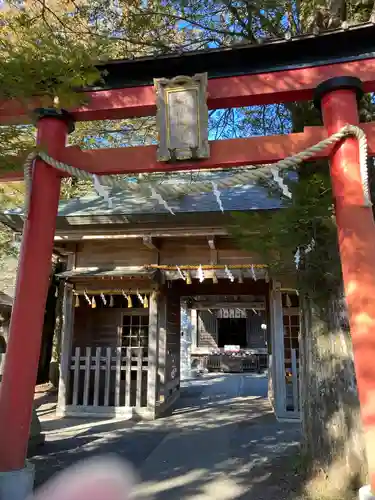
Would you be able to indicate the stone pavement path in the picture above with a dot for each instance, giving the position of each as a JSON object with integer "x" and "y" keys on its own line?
{"x": 222, "y": 442}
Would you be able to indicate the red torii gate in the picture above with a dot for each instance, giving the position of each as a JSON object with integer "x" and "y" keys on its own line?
{"x": 335, "y": 87}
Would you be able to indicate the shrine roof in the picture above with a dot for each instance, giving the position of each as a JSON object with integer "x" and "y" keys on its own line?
{"x": 340, "y": 45}
{"x": 135, "y": 208}
{"x": 239, "y": 198}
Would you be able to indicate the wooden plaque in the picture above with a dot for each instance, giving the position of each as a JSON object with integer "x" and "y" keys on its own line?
{"x": 182, "y": 118}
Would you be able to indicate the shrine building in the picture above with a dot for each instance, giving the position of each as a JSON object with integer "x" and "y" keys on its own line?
{"x": 150, "y": 297}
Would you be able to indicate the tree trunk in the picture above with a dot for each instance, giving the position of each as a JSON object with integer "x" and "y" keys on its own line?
{"x": 332, "y": 432}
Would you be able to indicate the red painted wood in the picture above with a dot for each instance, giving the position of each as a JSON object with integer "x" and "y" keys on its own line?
{"x": 228, "y": 153}
{"x": 246, "y": 90}
{"x": 356, "y": 236}
{"x": 21, "y": 361}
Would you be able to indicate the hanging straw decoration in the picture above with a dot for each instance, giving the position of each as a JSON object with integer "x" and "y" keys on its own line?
{"x": 182, "y": 276}
{"x": 297, "y": 258}
{"x": 200, "y": 274}
{"x": 153, "y": 295}
{"x": 140, "y": 298}
{"x": 188, "y": 278}
{"x": 253, "y": 273}
{"x": 111, "y": 301}
{"x": 288, "y": 301}
{"x": 214, "y": 278}
{"x": 93, "y": 303}
{"x": 229, "y": 274}
{"x": 129, "y": 299}
{"x": 102, "y": 191}
{"x": 240, "y": 278}
{"x": 87, "y": 298}
{"x": 102, "y": 296}
{"x": 76, "y": 303}
{"x": 145, "y": 302}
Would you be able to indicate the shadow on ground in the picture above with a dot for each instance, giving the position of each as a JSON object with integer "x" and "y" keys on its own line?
{"x": 222, "y": 442}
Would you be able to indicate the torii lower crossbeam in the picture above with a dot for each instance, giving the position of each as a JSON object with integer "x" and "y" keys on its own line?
{"x": 223, "y": 154}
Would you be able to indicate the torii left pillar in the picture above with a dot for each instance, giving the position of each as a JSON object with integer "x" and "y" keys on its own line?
{"x": 21, "y": 361}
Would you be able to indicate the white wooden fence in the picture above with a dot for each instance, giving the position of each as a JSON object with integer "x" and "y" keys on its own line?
{"x": 106, "y": 376}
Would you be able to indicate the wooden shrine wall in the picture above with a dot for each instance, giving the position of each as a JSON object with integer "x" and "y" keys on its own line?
{"x": 114, "y": 253}
{"x": 207, "y": 329}
{"x": 96, "y": 327}
{"x": 172, "y": 251}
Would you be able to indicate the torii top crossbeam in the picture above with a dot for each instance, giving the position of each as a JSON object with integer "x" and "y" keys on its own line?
{"x": 245, "y": 75}
{"x": 241, "y": 76}
{"x": 274, "y": 72}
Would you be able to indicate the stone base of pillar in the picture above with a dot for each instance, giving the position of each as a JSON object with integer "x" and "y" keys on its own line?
{"x": 17, "y": 484}
{"x": 36, "y": 438}
{"x": 365, "y": 493}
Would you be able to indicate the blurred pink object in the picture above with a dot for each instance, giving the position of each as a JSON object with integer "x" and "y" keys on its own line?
{"x": 102, "y": 478}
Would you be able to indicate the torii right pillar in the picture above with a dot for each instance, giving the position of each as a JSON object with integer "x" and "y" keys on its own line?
{"x": 338, "y": 99}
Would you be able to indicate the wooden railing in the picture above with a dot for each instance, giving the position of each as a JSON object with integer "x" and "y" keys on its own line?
{"x": 105, "y": 376}
{"x": 254, "y": 363}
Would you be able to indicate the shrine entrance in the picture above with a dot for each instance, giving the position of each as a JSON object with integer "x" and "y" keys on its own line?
{"x": 232, "y": 331}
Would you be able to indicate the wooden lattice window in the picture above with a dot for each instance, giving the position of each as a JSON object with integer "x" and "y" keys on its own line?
{"x": 135, "y": 329}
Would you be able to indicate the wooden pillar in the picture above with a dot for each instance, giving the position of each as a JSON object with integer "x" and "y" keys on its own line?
{"x": 278, "y": 365}
{"x": 21, "y": 362}
{"x": 153, "y": 354}
{"x": 194, "y": 328}
{"x": 162, "y": 355}
{"x": 66, "y": 345}
{"x": 356, "y": 238}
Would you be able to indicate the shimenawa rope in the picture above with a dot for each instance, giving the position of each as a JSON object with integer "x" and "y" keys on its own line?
{"x": 158, "y": 191}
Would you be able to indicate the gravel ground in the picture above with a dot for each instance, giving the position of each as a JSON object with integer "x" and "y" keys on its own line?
{"x": 221, "y": 443}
